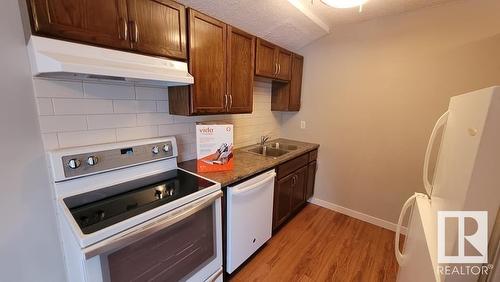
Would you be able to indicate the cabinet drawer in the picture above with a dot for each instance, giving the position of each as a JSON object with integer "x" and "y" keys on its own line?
{"x": 292, "y": 165}
{"x": 313, "y": 155}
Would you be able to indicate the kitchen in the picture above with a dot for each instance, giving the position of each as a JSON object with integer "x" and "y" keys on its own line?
{"x": 344, "y": 100}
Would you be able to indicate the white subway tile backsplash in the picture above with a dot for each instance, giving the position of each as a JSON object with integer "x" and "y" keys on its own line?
{"x": 154, "y": 119}
{"x": 175, "y": 129}
{"x": 58, "y": 88}
{"x": 44, "y": 106}
{"x": 162, "y": 106}
{"x": 111, "y": 121}
{"x": 62, "y": 123}
{"x": 84, "y": 138}
{"x": 132, "y": 133}
{"x": 150, "y": 93}
{"x": 134, "y": 106}
{"x": 50, "y": 141}
{"x": 108, "y": 91}
{"x": 77, "y": 113}
{"x": 189, "y": 148}
{"x": 186, "y": 138}
{"x": 82, "y": 106}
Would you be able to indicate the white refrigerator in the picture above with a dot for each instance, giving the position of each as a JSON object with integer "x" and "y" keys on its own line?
{"x": 466, "y": 178}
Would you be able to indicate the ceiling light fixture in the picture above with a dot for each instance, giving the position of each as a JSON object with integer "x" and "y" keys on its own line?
{"x": 342, "y": 4}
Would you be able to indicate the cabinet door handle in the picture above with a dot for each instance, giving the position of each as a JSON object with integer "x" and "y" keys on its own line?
{"x": 279, "y": 69}
{"x": 225, "y": 101}
{"x": 34, "y": 14}
{"x": 294, "y": 180}
{"x": 275, "y": 69}
{"x": 125, "y": 29}
{"x": 136, "y": 30}
{"x": 230, "y": 101}
{"x": 134, "y": 36}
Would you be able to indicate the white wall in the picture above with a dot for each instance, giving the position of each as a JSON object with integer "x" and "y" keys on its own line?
{"x": 77, "y": 113}
{"x": 29, "y": 244}
{"x": 373, "y": 90}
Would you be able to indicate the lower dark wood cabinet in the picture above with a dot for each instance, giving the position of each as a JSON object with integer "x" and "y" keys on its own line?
{"x": 293, "y": 186}
{"x": 282, "y": 200}
{"x": 299, "y": 189}
{"x": 311, "y": 179}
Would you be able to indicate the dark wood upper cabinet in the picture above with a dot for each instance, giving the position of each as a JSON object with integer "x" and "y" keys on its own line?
{"x": 295, "y": 83}
{"x": 221, "y": 59}
{"x": 207, "y": 63}
{"x": 284, "y": 60}
{"x": 91, "y": 21}
{"x": 286, "y": 95}
{"x": 144, "y": 26}
{"x": 158, "y": 27}
{"x": 272, "y": 61}
{"x": 240, "y": 70}
{"x": 265, "y": 60}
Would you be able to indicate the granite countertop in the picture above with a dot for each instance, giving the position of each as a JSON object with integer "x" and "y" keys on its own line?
{"x": 247, "y": 164}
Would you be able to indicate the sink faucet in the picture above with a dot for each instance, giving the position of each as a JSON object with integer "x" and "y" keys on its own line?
{"x": 263, "y": 139}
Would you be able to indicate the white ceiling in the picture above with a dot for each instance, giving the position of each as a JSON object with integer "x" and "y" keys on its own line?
{"x": 371, "y": 9}
{"x": 282, "y": 23}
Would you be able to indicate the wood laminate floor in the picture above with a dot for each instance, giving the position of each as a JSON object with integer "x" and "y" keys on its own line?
{"x": 323, "y": 245}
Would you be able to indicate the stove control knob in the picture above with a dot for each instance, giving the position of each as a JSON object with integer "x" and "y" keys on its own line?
{"x": 166, "y": 148}
{"x": 155, "y": 150}
{"x": 92, "y": 160}
{"x": 74, "y": 163}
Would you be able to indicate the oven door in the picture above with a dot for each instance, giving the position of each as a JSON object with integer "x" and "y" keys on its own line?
{"x": 182, "y": 245}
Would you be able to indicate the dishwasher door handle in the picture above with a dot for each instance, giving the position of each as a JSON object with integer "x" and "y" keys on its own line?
{"x": 254, "y": 186}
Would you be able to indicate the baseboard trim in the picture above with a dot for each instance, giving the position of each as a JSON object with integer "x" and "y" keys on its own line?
{"x": 358, "y": 215}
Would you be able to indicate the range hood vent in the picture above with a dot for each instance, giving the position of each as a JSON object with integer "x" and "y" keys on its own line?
{"x": 61, "y": 59}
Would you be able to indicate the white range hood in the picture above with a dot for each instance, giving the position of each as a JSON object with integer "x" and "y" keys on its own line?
{"x": 62, "y": 59}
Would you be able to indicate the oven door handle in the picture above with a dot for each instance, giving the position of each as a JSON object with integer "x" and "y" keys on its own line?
{"x": 164, "y": 221}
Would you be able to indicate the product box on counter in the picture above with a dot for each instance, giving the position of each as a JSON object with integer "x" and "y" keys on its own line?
{"x": 214, "y": 146}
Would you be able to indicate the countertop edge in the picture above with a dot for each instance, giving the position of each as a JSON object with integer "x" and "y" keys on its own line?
{"x": 190, "y": 165}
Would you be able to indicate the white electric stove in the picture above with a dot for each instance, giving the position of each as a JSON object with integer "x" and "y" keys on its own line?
{"x": 127, "y": 212}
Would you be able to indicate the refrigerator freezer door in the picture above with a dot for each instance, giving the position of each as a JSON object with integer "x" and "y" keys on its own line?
{"x": 418, "y": 261}
{"x": 439, "y": 124}
{"x": 472, "y": 124}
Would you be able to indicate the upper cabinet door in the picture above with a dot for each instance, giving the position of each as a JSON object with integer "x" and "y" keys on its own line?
{"x": 284, "y": 60}
{"x": 158, "y": 27}
{"x": 296, "y": 83}
{"x": 240, "y": 70}
{"x": 207, "y": 63}
{"x": 265, "y": 61}
{"x": 92, "y": 21}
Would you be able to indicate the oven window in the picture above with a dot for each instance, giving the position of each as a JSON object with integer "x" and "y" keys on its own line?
{"x": 171, "y": 254}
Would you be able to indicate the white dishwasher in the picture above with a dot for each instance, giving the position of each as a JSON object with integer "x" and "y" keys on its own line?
{"x": 249, "y": 217}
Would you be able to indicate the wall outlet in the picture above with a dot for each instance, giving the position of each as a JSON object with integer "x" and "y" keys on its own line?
{"x": 302, "y": 124}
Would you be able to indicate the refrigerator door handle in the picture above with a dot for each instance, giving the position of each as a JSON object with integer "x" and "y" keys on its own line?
{"x": 407, "y": 204}
{"x": 440, "y": 123}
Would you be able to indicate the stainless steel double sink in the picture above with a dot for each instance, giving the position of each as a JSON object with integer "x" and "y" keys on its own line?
{"x": 272, "y": 150}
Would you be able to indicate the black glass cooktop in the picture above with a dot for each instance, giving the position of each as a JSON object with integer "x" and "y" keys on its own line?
{"x": 98, "y": 209}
